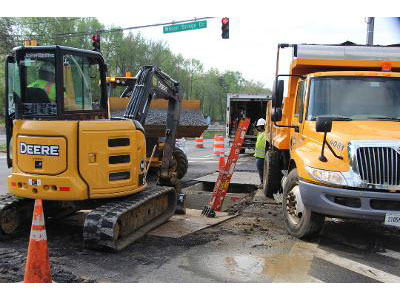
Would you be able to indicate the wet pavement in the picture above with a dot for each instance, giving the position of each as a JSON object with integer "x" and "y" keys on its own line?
{"x": 252, "y": 247}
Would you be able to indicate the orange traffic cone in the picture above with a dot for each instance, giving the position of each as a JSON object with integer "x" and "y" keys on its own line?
{"x": 37, "y": 268}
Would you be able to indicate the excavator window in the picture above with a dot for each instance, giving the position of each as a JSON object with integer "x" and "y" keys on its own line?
{"x": 13, "y": 94}
{"x": 40, "y": 78}
{"x": 57, "y": 82}
{"x": 81, "y": 83}
{"x": 14, "y": 87}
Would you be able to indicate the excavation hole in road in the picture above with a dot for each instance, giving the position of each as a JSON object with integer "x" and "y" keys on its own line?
{"x": 233, "y": 187}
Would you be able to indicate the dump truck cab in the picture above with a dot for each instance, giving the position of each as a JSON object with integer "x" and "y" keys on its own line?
{"x": 334, "y": 141}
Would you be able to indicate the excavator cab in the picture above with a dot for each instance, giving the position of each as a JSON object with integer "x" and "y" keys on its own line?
{"x": 53, "y": 83}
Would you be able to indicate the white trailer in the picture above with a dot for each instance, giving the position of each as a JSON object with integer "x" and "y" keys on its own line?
{"x": 239, "y": 106}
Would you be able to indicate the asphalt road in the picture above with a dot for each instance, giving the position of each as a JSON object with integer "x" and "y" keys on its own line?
{"x": 252, "y": 247}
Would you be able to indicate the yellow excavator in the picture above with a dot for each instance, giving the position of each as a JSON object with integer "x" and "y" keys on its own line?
{"x": 64, "y": 147}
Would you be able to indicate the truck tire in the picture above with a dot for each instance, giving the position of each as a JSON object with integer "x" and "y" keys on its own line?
{"x": 181, "y": 162}
{"x": 300, "y": 221}
{"x": 272, "y": 173}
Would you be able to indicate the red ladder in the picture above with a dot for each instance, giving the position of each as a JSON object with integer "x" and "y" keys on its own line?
{"x": 224, "y": 177}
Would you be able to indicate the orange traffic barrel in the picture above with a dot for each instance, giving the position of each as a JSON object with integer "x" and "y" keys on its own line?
{"x": 199, "y": 142}
{"x": 219, "y": 144}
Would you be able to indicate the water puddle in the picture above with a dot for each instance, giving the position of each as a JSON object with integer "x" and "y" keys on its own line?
{"x": 279, "y": 267}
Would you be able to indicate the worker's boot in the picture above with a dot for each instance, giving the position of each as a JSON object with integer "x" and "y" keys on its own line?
{"x": 180, "y": 204}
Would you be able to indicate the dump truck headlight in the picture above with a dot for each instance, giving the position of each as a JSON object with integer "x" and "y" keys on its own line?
{"x": 327, "y": 176}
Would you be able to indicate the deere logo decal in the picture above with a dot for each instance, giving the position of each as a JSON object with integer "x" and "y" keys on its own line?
{"x": 39, "y": 149}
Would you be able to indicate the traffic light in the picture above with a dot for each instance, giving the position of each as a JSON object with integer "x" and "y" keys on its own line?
{"x": 225, "y": 28}
{"x": 96, "y": 42}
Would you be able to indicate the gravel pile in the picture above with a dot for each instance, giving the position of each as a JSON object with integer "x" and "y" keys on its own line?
{"x": 159, "y": 117}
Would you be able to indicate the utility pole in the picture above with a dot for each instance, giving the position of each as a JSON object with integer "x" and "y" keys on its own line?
{"x": 370, "y": 30}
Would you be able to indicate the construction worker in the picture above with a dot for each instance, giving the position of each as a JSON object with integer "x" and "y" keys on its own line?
{"x": 260, "y": 148}
{"x": 46, "y": 81}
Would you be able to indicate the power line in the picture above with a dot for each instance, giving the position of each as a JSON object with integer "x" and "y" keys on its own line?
{"x": 108, "y": 31}
{"x": 64, "y": 19}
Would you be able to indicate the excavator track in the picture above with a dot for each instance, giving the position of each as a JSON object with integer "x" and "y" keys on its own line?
{"x": 116, "y": 224}
{"x": 14, "y": 214}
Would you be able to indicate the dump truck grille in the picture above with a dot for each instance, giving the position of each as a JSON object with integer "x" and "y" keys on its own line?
{"x": 379, "y": 165}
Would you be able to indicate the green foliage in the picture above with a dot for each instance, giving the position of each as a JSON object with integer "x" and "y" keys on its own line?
{"x": 127, "y": 52}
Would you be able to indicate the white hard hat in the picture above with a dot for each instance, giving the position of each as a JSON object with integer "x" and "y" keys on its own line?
{"x": 260, "y": 122}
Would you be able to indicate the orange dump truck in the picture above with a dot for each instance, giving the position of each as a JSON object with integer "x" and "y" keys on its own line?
{"x": 334, "y": 139}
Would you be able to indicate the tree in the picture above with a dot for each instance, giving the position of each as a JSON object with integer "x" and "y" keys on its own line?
{"x": 127, "y": 52}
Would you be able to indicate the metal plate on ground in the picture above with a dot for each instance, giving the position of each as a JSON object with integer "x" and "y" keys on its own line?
{"x": 181, "y": 225}
{"x": 248, "y": 178}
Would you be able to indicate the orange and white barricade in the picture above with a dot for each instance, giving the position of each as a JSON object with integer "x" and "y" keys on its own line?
{"x": 219, "y": 144}
{"x": 219, "y": 149}
{"x": 199, "y": 142}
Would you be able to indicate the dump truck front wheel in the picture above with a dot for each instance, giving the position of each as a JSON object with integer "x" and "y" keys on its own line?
{"x": 272, "y": 173}
{"x": 300, "y": 221}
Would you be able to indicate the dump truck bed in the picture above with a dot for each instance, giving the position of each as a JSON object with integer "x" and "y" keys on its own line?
{"x": 191, "y": 122}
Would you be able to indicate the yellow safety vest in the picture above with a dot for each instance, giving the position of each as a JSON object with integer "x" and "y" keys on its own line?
{"x": 260, "y": 145}
{"x": 48, "y": 87}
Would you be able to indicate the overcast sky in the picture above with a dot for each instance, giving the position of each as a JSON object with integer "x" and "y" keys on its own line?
{"x": 251, "y": 48}
{"x": 256, "y": 27}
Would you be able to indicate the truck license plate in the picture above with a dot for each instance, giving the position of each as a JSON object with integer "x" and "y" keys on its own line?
{"x": 35, "y": 182}
{"x": 392, "y": 220}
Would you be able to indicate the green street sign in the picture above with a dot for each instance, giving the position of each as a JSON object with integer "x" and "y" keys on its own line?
{"x": 185, "y": 26}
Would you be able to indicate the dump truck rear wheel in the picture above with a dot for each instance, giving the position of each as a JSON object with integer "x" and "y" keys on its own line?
{"x": 181, "y": 163}
{"x": 300, "y": 221}
{"x": 272, "y": 173}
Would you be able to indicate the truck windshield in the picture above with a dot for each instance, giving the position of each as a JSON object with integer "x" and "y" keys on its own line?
{"x": 355, "y": 98}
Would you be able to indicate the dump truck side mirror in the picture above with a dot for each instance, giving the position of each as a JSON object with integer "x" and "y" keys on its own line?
{"x": 323, "y": 124}
{"x": 276, "y": 114}
{"x": 277, "y": 93}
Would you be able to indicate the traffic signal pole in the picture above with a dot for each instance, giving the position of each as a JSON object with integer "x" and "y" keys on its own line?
{"x": 370, "y": 30}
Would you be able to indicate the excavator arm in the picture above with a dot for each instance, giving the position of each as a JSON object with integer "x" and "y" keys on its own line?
{"x": 152, "y": 83}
